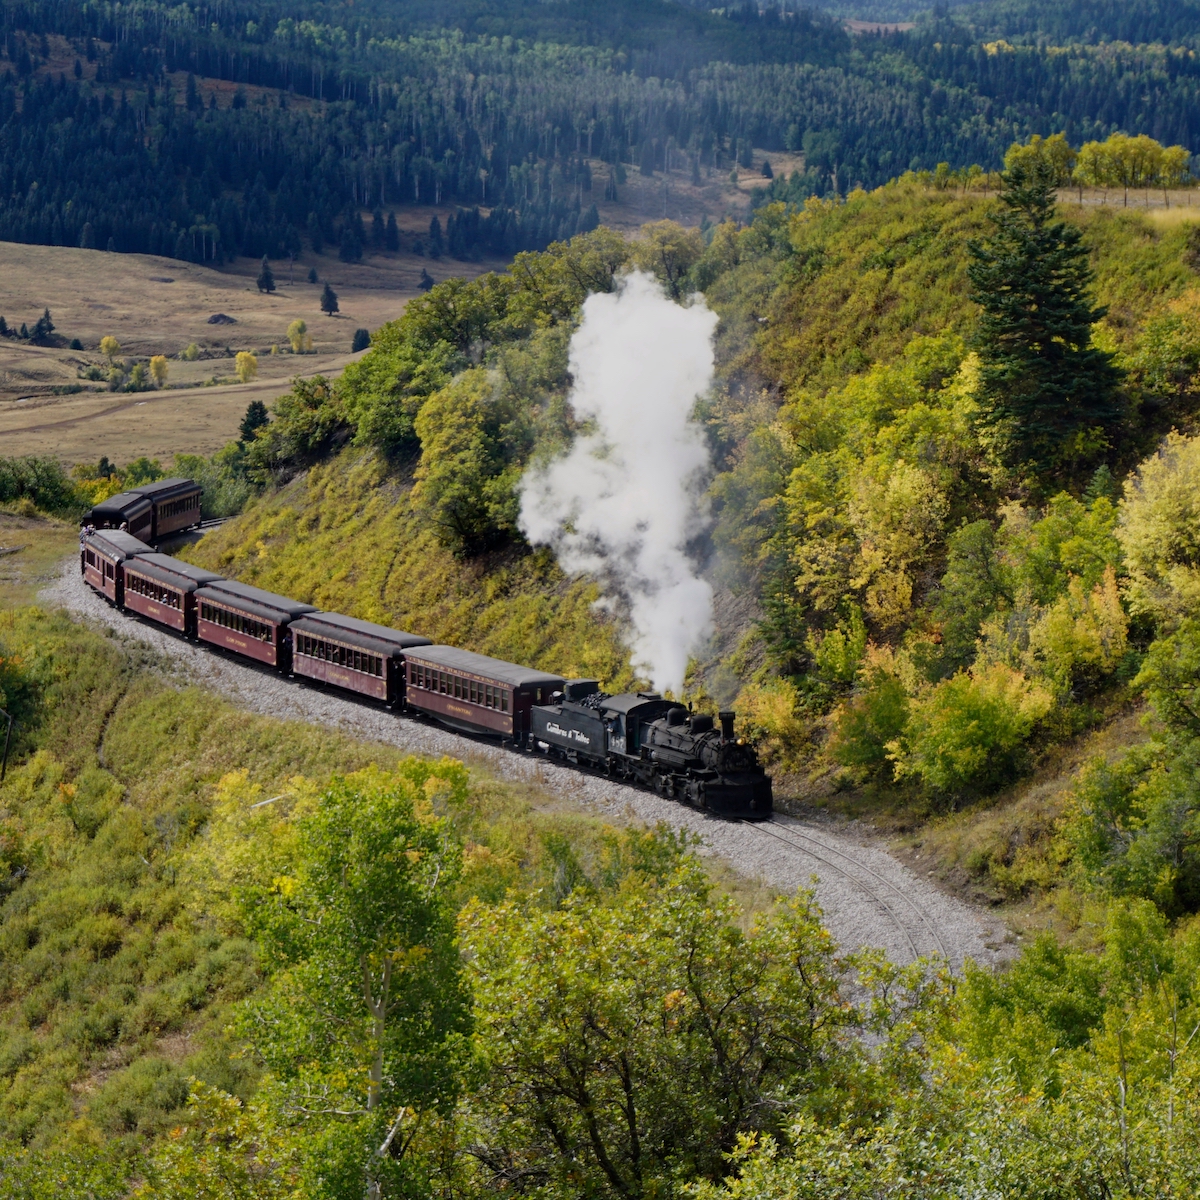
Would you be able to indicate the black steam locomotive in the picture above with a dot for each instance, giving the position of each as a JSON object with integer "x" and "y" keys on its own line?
{"x": 655, "y": 742}
{"x": 637, "y": 736}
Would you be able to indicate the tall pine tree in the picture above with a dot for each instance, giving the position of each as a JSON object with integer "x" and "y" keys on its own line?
{"x": 1050, "y": 397}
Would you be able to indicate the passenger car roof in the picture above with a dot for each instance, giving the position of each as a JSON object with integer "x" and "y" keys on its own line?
{"x": 116, "y": 543}
{"x": 229, "y": 590}
{"x": 471, "y": 663}
{"x": 353, "y": 632}
{"x": 176, "y": 566}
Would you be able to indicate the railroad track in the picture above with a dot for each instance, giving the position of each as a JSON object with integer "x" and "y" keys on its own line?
{"x": 917, "y": 930}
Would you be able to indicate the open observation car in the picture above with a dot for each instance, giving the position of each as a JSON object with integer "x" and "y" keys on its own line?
{"x": 126, "y": 512}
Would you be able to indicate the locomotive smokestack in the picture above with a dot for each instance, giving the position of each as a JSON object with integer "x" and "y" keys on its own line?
{"x": 727, "y": 726}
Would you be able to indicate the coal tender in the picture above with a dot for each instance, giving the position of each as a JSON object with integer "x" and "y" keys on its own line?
{"x": 656, "y": 742}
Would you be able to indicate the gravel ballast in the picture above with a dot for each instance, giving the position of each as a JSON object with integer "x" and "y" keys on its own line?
{"x": 869, "y": 899}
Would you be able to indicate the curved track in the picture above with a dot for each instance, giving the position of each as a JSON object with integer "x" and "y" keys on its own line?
{"x": 919, "y": 933}
{"x": 867, "y": 897}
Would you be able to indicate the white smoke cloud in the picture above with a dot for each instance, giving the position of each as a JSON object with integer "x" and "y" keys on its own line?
{"x": 623, "y": 502}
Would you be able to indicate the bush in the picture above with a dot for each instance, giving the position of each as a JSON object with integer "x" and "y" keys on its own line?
{"x": 767, "y": 714}
{"x": 223, "y": 478}
{"x": 867, "y": 725}
{"x": 1160, "y": 531}
{"x": 967, "y": 734}
{"x": 1082, "y": 637}
{"x": 1135, "y": 828}
{"x": 41, "y": 481}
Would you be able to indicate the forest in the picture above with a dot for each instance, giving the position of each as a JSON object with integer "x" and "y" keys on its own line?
{"x": 505, "y": 109}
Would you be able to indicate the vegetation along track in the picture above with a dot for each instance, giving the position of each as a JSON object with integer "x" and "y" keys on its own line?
{"x": 919, "y": 932}
{"x": 868, "y": 898}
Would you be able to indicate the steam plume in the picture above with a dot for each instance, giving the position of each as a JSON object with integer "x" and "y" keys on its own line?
{"x": 622, "y": 503}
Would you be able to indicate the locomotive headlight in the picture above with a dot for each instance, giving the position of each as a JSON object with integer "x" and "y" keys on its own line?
{"x": 741, "y": 741}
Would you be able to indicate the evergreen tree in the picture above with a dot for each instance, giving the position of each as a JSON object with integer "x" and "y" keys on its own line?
{"x": 312, "y": 275}
{"x": 436, "y": 244}
{"x": 378, "y": 230}
{"x": 1049, "y": 396}
{"x": 329, "y": 301}
{"x": 4, "y": 331}
{"x": 44, "y": 327}
{"x": 87, "y": 237}
{"x": 391, "y": 236}
{"x": 256, "y": 417}
{"x": 266, "y": 280}
{"x": 350, "y": 249}
{"x": 426, "y": 282}
{"x": 362, "y": 340}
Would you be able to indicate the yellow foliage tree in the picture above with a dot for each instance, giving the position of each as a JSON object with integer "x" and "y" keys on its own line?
{"x": 295, "y": 333}
{"x": 246, "y": 366}
{"x": 109, "y": 347}
{"x": 1159, "y": 532}
{"x": 1082, "y": 634}
{"x": 159, "y": 369}
{"x": 1055, "y": 149}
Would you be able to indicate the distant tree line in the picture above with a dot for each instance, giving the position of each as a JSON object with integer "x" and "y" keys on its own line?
{"x": 374, "y": 111}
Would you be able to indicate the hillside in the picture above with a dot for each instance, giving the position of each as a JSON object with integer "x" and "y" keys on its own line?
{"x": 257, "y": 129}
{"x": 849, "y": 481}
{"x": 955, "y": 589}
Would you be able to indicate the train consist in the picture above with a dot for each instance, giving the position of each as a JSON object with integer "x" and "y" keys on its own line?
{"x": 639, "y": 736}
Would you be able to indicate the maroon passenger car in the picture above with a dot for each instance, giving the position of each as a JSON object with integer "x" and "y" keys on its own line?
{"x": 248, "y": 621}
{"x": 175, "y": 505}
{"x": 353, "y": 654}
{"x": 476, "y": 693}
{"x": 127, "y": 512}
{"x": 164, "y": 589}
{"x": 102, "y": 558}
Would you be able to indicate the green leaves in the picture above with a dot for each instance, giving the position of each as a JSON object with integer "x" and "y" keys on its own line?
{"x": 366, "y": 1013}
{"x": 631, "y": 1037}
{"x": 1049, "y": 395}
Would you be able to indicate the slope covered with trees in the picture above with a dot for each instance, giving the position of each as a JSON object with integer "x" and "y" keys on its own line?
{"x": 505, "y": 110}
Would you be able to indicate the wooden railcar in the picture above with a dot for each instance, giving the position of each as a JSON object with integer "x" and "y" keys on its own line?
{"x": 476, "y": 693}
{"x": 175, "y": 505}
{"x": 102, "y": 558}
{"x": 357, "y": 655}
{"x": 163, "y": 589}
{"x": 129, "y": 512}
{"x": 248, "y": 621}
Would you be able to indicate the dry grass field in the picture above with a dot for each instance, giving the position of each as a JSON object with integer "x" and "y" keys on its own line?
{"x": 160, "y": 306}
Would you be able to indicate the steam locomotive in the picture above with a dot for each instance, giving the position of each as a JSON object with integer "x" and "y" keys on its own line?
{"x": 638, "y": 736}
{"x": 658, "y": 743}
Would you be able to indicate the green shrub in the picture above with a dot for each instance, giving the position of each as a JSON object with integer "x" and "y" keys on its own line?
{"x": 139, "y": 1099}
{"x": 42, "y": 481}
{"x": 1160, "y": 531}
{"x": 968, "y": 733}
{"x": 867, "y": 725}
